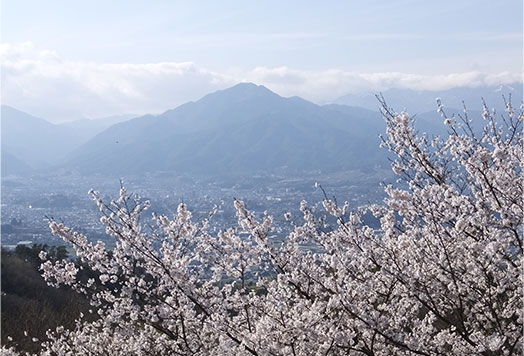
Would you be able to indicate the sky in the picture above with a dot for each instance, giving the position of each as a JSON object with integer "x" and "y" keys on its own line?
{"x": 64, "y": 60}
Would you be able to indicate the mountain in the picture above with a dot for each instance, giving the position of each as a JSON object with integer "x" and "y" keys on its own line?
{"x": 30, "y": 142}
{"x": 86, "y": 129}
{"x": 419, "y": 101}
{"x": 246, "y": 128}
{"x": 12, "y": 165}
{"x": 240, "y": 130}
{"x": 33, "y": 140}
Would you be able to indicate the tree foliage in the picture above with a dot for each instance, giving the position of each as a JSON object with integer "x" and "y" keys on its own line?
{"x": 29, "y": 306}
{"x": 441, "y": 276}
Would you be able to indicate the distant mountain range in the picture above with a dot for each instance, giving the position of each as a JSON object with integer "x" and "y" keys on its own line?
{"x": 31, "y": 143}
{"x": 240, "y": 130}
{"x": 13, "y": 166}
{"x": 420, "y": 101}
{"x": 246, "y": 128}
{"x": 86, "y": 129}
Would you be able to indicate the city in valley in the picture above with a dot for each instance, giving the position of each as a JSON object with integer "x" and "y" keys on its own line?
{"x": 29, "y": 202}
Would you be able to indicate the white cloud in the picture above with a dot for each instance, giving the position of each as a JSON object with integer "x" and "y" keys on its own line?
{"x": 44, "y": 84}
{"x": 326, "y": 85}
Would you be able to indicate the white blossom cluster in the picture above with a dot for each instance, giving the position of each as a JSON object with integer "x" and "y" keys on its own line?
{"x": 442, "y": 276}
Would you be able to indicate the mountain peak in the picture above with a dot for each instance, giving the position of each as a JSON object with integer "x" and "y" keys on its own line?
{"x": 220, "y": 100}
{"x": 243, "y": 91}
{"x": 249, "y": 86}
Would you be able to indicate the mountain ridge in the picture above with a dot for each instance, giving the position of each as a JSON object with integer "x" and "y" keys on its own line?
{"x": 419, "y": 101}
{"x": 241, "y": 129}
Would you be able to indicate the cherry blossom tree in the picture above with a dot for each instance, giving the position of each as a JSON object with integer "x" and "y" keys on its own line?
{"x": 442, "y": 275}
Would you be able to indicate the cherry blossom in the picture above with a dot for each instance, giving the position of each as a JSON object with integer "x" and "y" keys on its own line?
{"x": 442, "y": 275}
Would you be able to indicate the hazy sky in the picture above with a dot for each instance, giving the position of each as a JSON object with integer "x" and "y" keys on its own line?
{"x": 68, "y": 59}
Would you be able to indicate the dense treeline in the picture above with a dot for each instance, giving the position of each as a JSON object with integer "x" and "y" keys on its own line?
{"x": 29, "y": 305}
